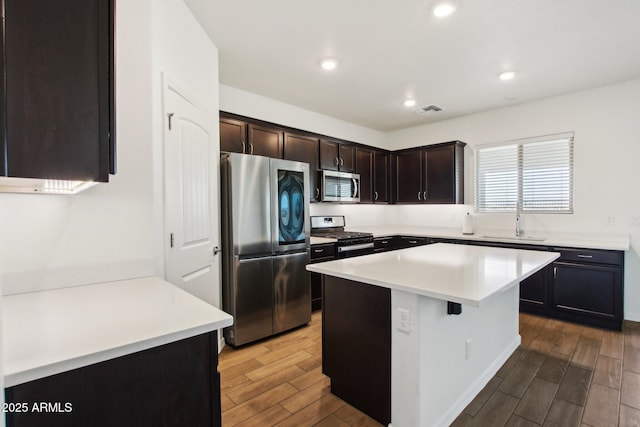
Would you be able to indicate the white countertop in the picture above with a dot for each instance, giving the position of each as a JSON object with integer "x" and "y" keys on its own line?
{"x": 457, "y": 273}
{"x": 49, "y": 332}
{"x": 574, "y": 240}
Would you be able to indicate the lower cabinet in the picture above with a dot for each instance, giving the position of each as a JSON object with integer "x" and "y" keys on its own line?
{"x": 176, "y": 384}
{"x": 356, "y": 345}
{"x": 319, "y": 253}
{"x": 587, "y": 287}
{"x": 392, "y": 243}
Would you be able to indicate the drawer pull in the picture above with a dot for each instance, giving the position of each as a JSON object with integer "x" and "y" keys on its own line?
{"x": 413, "y": 242}
{"x": 384, "y": 242}
{"x": 584, "y": 256}
{"x": 318, "y": 251}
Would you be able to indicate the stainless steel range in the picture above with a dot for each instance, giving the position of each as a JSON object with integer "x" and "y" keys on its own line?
{"x": 349, "y": 243}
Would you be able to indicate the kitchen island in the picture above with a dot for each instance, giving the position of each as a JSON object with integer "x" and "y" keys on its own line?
{"x": 133, "y": 352}
{"x": 420, "y": 331}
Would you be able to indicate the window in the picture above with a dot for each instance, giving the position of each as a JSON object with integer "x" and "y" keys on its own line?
{"x": 534, "y": 175}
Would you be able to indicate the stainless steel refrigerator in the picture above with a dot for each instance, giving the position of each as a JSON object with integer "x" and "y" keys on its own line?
{"x": 265, "y": 238}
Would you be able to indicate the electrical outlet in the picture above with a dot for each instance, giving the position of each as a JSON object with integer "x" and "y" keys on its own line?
{"x": 467, "y": 349}
{"x": 404, "y": 316}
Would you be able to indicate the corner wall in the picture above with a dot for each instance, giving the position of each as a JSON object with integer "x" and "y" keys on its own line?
{"x": 103, "y": 233}
{"x": 606, "y": 172}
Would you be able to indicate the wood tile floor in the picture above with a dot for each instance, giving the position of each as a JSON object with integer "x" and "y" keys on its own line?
{"x": 562, "y": 375}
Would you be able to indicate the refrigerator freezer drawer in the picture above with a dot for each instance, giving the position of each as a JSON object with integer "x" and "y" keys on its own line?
{"x": 250, "y": 300}
{"x": 292, "y": 291}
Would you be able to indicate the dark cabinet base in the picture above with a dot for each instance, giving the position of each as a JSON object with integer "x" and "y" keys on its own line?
{"x": 356, "y": 345}
{"x": 176, "y": 384}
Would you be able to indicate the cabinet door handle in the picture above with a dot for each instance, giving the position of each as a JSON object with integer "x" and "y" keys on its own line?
{"x": 555, "y": 273}
{"x": 375, "y": 195}
{"x": 336, "y": 162}
{"x": 244, "y": 150}
{"x": 584, "y": 256}
{"x": 251, "y": 146}
{"x": 424, "y": 197}
{"x": 419, "y": 194}
{"x": 341, "y": 162}
{"x": 317, "y": 193}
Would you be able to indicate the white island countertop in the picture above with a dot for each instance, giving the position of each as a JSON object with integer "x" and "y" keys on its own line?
{"x": 458, "y": 273}
{"x": 49, "y": 332}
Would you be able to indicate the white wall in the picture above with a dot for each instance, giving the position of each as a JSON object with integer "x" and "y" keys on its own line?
{"x": 114, "y": 231}
{"x": 184, "y": 54}
{"x": 248, "y": 104}
{"x": 103, "y": 233}
{"x": 607, "y": 152}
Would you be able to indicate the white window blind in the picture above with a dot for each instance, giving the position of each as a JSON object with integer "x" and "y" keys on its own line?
{"x": 534, "y": 175}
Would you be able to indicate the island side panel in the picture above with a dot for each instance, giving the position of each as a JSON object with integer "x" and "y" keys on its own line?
{"x": 433, "y": 378}
{"x": 356, "y": 344}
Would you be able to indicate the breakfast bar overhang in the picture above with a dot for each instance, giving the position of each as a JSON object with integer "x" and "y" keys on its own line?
{"x": 443, "y": 317}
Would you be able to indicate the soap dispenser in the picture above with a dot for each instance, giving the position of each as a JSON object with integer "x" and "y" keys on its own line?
{"x": 467, "y": 224}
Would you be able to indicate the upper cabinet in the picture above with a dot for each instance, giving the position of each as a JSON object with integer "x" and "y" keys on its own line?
{"x": 431, "y": 174}
{"x": 337, "y": 156}
{"x": 57, "y": 117}
{"x": 303, "y": 148}
{"x": 237, "y": 136}
{"x": 265, "y": 141}
{"x": 233, "y": 136}
{"x": 373, "y": 167}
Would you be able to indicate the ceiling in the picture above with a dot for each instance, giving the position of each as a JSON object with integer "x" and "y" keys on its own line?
{"x": 390, "y": 50}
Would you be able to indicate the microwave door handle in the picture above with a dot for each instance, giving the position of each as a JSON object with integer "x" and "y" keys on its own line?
{"x": 355, "y": 188}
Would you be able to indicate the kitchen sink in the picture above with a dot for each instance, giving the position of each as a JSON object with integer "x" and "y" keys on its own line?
{"x": 517, "y": 238}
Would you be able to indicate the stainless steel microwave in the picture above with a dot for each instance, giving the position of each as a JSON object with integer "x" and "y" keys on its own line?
{"x": 339, "y": 186}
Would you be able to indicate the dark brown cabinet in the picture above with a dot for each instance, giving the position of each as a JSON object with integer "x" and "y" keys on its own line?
{"x": 432, "y": 174}
{"x": 588, "y": 287}
{"x": 380, "y": 177}
{"x": 364, "y": 167}
{"x": 57, "y": 119}
{"x": 265, "y": 141}
{"x": 372, "y": 166}
{"x": 304, "y": 149}
{"x": 173, "y": 385}
{"x": 320, "y": 253}
{"x": 337, "y": 156}
{"x": 233, "y": 136}
{"x": 585, "y": 286}
{"x": 237, "y": 136}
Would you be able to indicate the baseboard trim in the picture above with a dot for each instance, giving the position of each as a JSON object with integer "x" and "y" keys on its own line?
{"x": 471, "y": 392}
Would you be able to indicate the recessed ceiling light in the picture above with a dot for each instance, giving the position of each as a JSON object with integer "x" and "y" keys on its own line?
{"x": 329, "y": 64}
{"x": 409, "y": 102}
{"x": 507, "y": 75}
{"x": 444, "y": 8}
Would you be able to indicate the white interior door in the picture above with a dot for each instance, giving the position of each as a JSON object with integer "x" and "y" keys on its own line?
{"x": 191, "y": 197}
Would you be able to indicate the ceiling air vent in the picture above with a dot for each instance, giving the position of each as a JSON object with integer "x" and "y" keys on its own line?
{"x": 428, "y": 110}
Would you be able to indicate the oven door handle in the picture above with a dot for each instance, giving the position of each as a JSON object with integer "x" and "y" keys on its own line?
{"x": 355, "y": 247}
